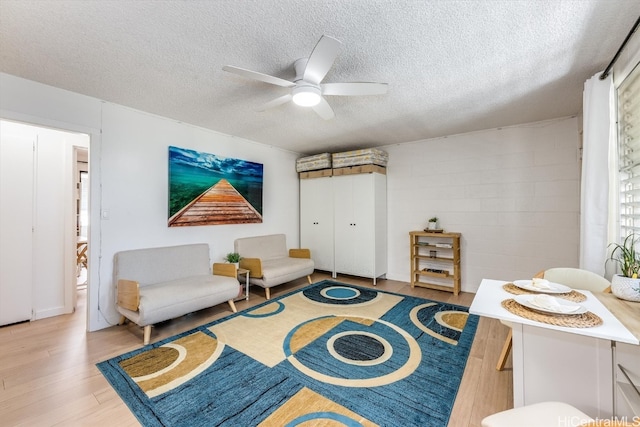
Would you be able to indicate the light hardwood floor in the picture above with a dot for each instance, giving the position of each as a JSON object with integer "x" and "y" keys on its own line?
{"x": 49, "y": 377}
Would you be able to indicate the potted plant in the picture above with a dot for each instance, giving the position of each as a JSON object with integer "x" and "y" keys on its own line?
{"x": 433, "y": 223}
{"x": 626, "y": 285}
{"x": 233, "y": 258}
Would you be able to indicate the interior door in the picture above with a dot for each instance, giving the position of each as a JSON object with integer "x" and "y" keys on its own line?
{"x": 37, "y": 272}
{"x": 16, "y": 219}
{"x": 51, "y": 231}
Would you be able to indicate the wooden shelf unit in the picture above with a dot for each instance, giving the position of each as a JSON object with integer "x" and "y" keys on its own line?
{"x": 447, "y": 260}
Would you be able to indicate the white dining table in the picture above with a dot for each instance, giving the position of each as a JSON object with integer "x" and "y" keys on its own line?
{"x": 568, "y": 364}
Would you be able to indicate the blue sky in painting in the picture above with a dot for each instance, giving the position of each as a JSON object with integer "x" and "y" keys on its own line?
{"x": 222, "y": 165}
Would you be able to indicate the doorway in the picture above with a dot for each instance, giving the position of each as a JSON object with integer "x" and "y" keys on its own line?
{"x": 39, "y": 263}
{"x": 82, "y": 215}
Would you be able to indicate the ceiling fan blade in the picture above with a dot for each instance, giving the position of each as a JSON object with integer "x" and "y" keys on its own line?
{"x": 278, "y": 101}
{"x": 258, "y": 76}
{"x": 354, "y": 89}
{"x": 324, "y": 110}
{"x": 321, "y": 59}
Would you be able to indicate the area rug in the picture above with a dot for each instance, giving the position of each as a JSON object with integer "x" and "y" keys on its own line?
{"x": 329, "y": 354}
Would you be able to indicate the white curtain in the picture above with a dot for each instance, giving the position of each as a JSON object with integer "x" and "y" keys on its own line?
{"x": 596, "y": 190}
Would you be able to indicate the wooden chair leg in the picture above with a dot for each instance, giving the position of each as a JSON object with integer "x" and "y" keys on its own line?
{"x": 506, "y": 348}
{"x": 267, "y": 293}
{"x": 122, "y": 320}
{"x": 309, "y": 279}
{"x": 147, "y": 334}
{"x": 232, "y": 305}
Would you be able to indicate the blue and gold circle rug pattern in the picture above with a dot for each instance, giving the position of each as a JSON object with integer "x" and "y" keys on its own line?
{"x": 329, "y": 354}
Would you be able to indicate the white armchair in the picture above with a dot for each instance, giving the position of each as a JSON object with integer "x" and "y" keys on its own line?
{"x": 270, "y": 263}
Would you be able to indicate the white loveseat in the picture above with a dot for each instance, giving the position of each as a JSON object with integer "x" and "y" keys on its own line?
{"x": 158, "y": 284}
{"x": 270, "y": 263}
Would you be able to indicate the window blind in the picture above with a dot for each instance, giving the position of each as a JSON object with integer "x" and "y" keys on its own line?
{"x": 628, "y": 95}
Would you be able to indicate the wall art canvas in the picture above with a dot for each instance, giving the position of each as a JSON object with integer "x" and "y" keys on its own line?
{"x": 206, "y": 189}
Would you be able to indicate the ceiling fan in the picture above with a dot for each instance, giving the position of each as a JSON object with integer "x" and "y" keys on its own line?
{"x": 306, "y": 89}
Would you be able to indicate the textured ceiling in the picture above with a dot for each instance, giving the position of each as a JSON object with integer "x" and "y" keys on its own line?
{"x": 451, "y": 66}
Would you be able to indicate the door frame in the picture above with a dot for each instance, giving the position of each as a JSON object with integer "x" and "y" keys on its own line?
{"x": 94, "y": 145}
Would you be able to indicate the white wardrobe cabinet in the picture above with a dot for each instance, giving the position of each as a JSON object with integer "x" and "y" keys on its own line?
{"x": 358, "y": 238}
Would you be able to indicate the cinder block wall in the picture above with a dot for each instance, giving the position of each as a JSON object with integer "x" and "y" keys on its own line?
{"x": 513, "y": 193}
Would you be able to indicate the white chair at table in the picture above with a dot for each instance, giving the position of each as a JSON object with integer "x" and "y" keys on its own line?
{"x": 547, "y": 414}
{"x": 574, "y": 278}
{"x": 537, "y": 415}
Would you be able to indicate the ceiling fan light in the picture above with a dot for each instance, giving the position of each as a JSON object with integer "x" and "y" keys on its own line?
{"x": 306, "y": 96}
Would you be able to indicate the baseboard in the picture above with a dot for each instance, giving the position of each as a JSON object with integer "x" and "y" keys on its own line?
{"x": 49, "y": 312}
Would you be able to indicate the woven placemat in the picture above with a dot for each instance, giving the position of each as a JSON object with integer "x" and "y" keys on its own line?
{"x": 585, "y": 320}
{"x": 574, "y": 296}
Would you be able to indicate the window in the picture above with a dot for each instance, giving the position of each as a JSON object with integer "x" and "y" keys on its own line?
{"x": 628, "y": 95}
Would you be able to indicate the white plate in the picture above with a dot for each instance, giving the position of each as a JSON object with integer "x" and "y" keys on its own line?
{"x": 528, "y": 301}
{"x": 555, "y": 288}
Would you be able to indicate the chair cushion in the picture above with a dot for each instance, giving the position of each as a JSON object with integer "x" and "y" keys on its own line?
{"x": 577, "y": 278}
{"x": 167, "y": 300}
{"x": 282, "y": 270}
{"x": 154, "y": 265}
{"x": 264, "y": 247}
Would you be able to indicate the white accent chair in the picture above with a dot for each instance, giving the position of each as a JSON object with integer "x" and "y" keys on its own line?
{"x": 574, "y": 278}
{"x": 158, "y": 284}
{"x": 549, "y": 414}
{"x": 545, "y": 414}
{"x": 270, "y": 263}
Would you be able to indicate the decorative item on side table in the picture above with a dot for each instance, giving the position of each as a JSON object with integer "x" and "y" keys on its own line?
{"x": 233, "y": 258}
{"x": 432, "y": 225}
{"x": 626, "y": 285}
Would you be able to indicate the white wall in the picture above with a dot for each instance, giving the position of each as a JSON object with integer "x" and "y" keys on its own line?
{"x": 134, "y": 159}
{"x": 513, "y": 193}
{"x": 128, "y": 166}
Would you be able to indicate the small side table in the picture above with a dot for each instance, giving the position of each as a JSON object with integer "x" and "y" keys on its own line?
{"x": 244, "y": 272}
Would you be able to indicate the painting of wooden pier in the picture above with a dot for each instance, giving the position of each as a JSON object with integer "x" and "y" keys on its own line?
{"x": 221, "y": 204}
{"x": 205, "y": 189}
